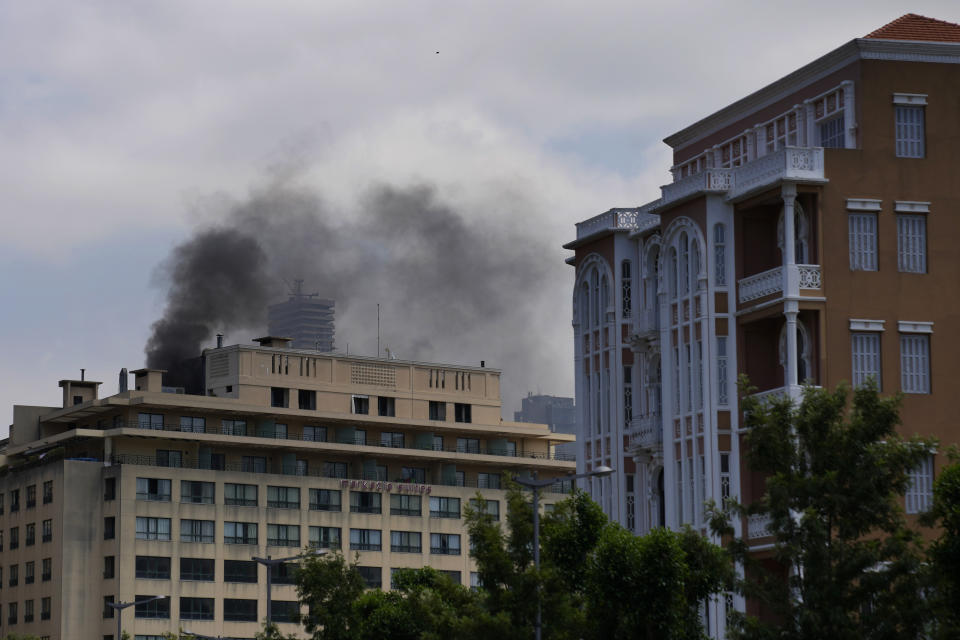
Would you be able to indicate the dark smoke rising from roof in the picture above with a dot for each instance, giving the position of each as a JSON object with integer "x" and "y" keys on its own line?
{"x": 453, "y": 285}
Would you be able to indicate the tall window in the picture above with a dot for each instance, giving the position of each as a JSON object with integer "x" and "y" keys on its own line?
{"x": 719, "y": 255}
{"x": 863, "y": 241}
{"x": 912, "y": 243}
{"x": 919, "y": 496}
{"x": 915, "y": 363}
{"x": 781, "y": 132}
{"x": 866, "y": 357}
{"x": 626, "y": 292}
{"x": 909, "y": 131}
{"x": 832, "y": 135}
{"x": 724, "y": 478}
{"x": 723, "y": 395}
{"x": 627, "y": 396}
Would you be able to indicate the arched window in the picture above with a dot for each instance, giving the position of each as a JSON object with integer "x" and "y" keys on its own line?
{"x": 595, "y": 290}
{"x": 672, "y": 273}
{"x": 684, "y": 277}
{"x": 584, "y": 306}
{"x": 604, "y": 296}
{"x": 719, "y": 255}
{"x": 694, "y": 263}
{"x": 626, "y": 292}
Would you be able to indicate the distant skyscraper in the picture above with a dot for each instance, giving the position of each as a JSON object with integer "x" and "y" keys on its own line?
{"x": 304, "y": 317}
{"x": 556, "y": 412}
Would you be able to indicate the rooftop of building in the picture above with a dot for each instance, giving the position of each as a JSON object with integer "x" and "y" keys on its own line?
{"x": 917, "y": 28}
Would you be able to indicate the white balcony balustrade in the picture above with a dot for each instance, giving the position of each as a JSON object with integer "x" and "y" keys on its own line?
{"x": 770, "y": 282}
{"x": 758, "y": 526}
{"x": 646, "y": 432}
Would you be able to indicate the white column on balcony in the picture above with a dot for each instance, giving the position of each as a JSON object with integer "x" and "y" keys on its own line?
{"x": 790, "y": 366}
{"x": 849, "y": 124}
{"x": 791, "y": 275}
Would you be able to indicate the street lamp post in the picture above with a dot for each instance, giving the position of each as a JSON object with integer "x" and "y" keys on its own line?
{"x": 120, "y": 606}
{"x": 535, "y": 485}
{"x": 270, "y": 563}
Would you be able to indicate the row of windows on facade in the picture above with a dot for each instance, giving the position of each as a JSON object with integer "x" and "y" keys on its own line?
{"x": 282, "y": 497}
{"x": 360, "y": 404}
{"x": 914, "y": 360}
{"x": 29, "y": 572}
{"x": 30, "y": 535}
{"x": 911, "y": 242}
{"x": 28, "y": 611}
{"x": 31, "y": 496}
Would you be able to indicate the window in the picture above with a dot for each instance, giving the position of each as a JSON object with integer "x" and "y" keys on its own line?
{"x": 1, "y": 503}
{"x": 462, "y": 412}
{"x": 627, "y": 396}
{"x": 919, "y": 496}
{"x": 334, "y": 470}
{"x": 491, "y": 507}
{"x": 413, "y": 474}
{"x": 372, "y": 576}
{"x": 361, "y": 405}
{"x": 14, "y": 575}
{"x": 29, "y": 572}
{"x": 200, "y": 569}
{"x": 46, "y": 569}
{"x": 31, "y": 496}
{"x": 12, "y": 612}
{"x": 28, "y": 610}
{"x": 719, "y": 255}
{"x": 109, "y": 528}
{"x": 279, "y": 397}
{"x": 240, "y": 532}
{"x": 386, "y": 407}
{"x": 909, "y": 131}
{"x": 153, "y": 528}
{"x": 324, "y": 537}
{"x": 108, "y": 611}
{"x": 47, "y": 530}
{"x": 239, "y": 610}
{"x": 863, "y": 241}
{"x": 468, "y": 445}
{"x": 30, "y": 532}
{"x": 307, "y": 399}
{"x": 239, "y": 571}
{"x": 283, "y": 497}
{"x": 364, "y": 540}
{"x": 438, "y": 443}
{"x": 284, "y": 610}
{"x": 626, "y": 293}
{"x": 193, "y": 424}
{"x": 283, "y": 535}
{"x": 15, "y": 500}
{"x": 196, "y": 608}
{"x": 14, "y": 538}
{"x": 48, "y": 492}
{"x": 109, "y": 489}
{"x": 488, "y": 480}
{"x": 197, "y": 531}
{"x": 780, "y": 133}
{"x": 445, "y": 544}
{"x": 405, "y": 541}
{"x": 283, "y": 573}
{"x": 155, "y": 489}
{"x": 315, "y": 434}
{"x": 150, "y": 421}
{"x": 438, "y": 410}
{"x": 253, "y": 464}
{"x": 911, "y": 243}
{"x": 196, "y": 492}
{"x": 45, "y": 607}
{"x": 153, "y": 567}
{"x": 240, "y": 495}
{"x": 404, "y": 505}
{"x": 866, "y": 357}
{"x": 159, "y": 608}
{"x": 832, "y": 134}
{"x": 234, "y": 427}
{"x": 364, "y": 502}
{"x": 444, "y": 507}
{"x": 475, "y": 582}
{"x": 360, "y": 437}
{"x": 915, "y": 363}
{"x": 391, "y": 439}
{"x": 324, "y": 500}
{"x": 108, "y": 567}
{"x": 453, "y": 575}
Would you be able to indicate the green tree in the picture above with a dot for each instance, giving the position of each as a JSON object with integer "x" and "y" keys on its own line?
{"x": 847, "y": 566}
{"x": 330, "y": 585}
{"x": 944, "y": 553}
{"x": 271, "y": 631}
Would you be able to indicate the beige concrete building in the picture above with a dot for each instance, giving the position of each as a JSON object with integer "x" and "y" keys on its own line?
{"x": 152, "y": 492}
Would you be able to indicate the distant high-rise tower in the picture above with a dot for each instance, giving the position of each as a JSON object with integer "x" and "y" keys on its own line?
{"x": 304, "y": 317}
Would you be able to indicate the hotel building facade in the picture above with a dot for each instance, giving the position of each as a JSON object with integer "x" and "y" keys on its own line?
{"x": 808, "y": 236}
{"x": 153, "y": 492}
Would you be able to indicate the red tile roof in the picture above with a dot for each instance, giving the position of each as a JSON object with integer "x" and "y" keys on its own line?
{"x": 915, "y": 27}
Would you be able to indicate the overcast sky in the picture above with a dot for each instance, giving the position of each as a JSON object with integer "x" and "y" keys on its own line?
{"x": 120, "y": 124}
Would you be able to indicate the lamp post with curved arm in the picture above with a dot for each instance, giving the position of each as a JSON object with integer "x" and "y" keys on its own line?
{"x": 535, "y": 485}
{"x": 270, "y": 563}
{"x": 120, "y": 606}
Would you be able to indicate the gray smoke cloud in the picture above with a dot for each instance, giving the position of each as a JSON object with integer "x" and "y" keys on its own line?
{"x": 454, "y": 286}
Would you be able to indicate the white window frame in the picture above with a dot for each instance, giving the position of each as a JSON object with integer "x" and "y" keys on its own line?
{"x": 866, "y": 356}
{"x": 911, "y": 236}
{"x": 862, "y": 225}
{"x": 915, "y": 356}
{"x": 910, "y": 124}
{"x": 919, "y": 495}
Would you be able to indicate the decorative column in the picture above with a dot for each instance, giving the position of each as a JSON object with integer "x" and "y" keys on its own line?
{"x": 791, "y": 284}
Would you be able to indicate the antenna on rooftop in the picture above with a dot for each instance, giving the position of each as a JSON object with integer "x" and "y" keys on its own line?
{"x": 295, "y": 290}
{"x": 378, "y": 329}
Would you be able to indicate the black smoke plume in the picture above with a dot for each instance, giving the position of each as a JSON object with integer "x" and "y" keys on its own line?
{"x": 454, "y": 285}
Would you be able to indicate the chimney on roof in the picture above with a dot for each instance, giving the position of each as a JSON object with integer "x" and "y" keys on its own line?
{"x": 483, "y": 363}
{"x": 124, "y": 380}
{"x": 83, "y": 373}
{"x": 219, "y": 341}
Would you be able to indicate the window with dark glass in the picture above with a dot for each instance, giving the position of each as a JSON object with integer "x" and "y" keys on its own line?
{"x": 445, "y": 544}
{"x": 372, "y": 576}
{"x": 324, "y": 499}
{"x": 109, "y": 525}
{"x": 283, "y": 535}
{"x": 196, "y": 608}
{"x": 365, "y": 540}
{"x": 361, "y": 405}
{"x": 150, "y": 421}
{"x": 29, "y": 572}
{"x": 14, "y": 538}
{"x": 197, "y": 530}
{"x": 48, "y": 492}
{"x": 444, "y": 507}
{"x": 404, "y": 505}
{"x": 109, "y": 489}
{"x": 240, "y": 495}
{"x": 491, "y": 507}
{"x": 413, "y": 474}
{"x": 488, "y": 480}
{"x": 253, "y": 464}
{"x": 153, "y": 489}
{"x": 312, "y": 433}
{"x": 364, "y": 502}
{"x": 279, "y": 397}
{"x": 284, "y": 573}
{"x": 31, "y": 496}
{"x": 14, "y": 575}
{"x": 324, "y": 537}
{"x": 30, "y": 532}
{"x": 196, "y": 492}
{"x": 334, "y": 470}
{"x": 14, "y": 500}
{"x": 391, "y": 439}
{"x": 438, "y": 410}
{"x": 283, "y": 497}
{"x": 45, "y": 607}
{"x": 108, "y": 611}
{"x": 12, "y": 613}
{"x": 468, "y": 445}
{"x": 153, "y": 609}
{"x": 405, "y": 541}
{"x": 307, "y": 399}
{"x": 239, "y": 610}
{"x": 240, "y": 532}
{"x": 462, "y": 412}
{"x": 153, "y": 567}
{"x": 28, "y": 610}
{"x": 108, "y": 567}
{"x": 153, "y": 528}
{"x": 453, "y": 575}
{"x": 200, "y": 569}
{"x": 386, "y": 407}
{"x": 239, "y": 571}
{"x": 47, "y": 530}
{"x": 284, "y": 610}
{"x": 193, "y": 424}
{"x": 46, "y": 569}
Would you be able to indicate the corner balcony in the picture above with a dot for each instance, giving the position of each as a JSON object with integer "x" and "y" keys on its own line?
{"x": 807, "y": 277}
{"x": 758, "y": 526}
{"x": 709, "y": 181}
{"x": 645, "y": 432}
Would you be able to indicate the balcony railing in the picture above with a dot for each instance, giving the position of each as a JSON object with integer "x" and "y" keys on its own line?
{"x": 709, "y": 181}
{"x": 297, "y": 434}
{"x": 612, "y": 219}
{"x": 787, "y": 163}
{"x": 758, "y": 526}
{"x": 646, "y": 432}
{"x": 770, "y": 282}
